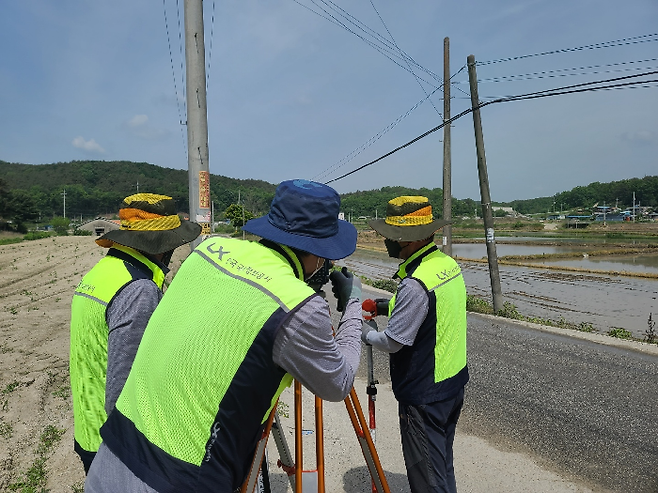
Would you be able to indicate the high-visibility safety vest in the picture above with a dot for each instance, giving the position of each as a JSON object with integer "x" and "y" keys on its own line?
{"x": 434, "y": 367}
{"x": 203, "y": 380}
{"x": 89, "y": 333}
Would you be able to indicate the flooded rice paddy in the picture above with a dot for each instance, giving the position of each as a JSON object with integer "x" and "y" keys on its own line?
{"x": 606, "y": 301}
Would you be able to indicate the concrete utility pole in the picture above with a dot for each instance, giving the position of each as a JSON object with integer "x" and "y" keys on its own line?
{"x": 485, "y": 197}
{"x": 198, "y": 169}
{"x": 64, "y": 195}
{"x": 447, "y": 192}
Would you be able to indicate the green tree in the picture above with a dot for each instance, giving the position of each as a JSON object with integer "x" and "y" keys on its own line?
{"x": 17, "y": 207}
{"x": 235, "y": 213}
{"x": 61, "y": 225}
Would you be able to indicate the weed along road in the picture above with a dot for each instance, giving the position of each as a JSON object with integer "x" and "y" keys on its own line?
{"x": 584, "y": 409}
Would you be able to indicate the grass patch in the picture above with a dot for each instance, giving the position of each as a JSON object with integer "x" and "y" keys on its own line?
{"x": 9, "y": 241}
{"x": 63, "y": 392}
{"x": 10, "y": 387}
{"x": 34, "y": 480}
{"x": 478, "y": 305}
{"x": 620, "y": 333}
{"x": 36, "y": 235}
{"x": 509, "y": 310}
{"x": 6, "y": 429}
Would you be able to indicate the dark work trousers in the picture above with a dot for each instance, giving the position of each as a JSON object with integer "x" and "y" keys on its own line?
{"x": 428, "y": 431}
{"x": 85, "y": 456}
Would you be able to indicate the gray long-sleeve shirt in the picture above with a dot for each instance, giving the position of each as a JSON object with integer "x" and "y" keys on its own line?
{"x": 411, "y": 308}
{"x": 127, "y": 316}
{"x": 306, "y": 348}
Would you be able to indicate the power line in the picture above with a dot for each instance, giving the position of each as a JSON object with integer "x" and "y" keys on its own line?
{"x": 407, "y": 61}
{"x": 645, "y": 38}
{"x": 372, "y": 140}
{"x": 540, "y": 94}
{"x": 212, "y": 37}
{"x": 380, "y": 134}
{"x": 370, "y": 37}
{"x": 173, "y": 73}
{"x": 564, "y": 72}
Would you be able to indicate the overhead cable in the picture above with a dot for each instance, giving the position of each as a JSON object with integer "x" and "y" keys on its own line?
{"x": 406, "y": 60}
{"x": 563, "y": 72}
{"x": 375, "y": 138}
{"x": 576, "y": 88}
{"x": 379, "y": 43}
{"x": 212, "y": 37}
{"x": 372, "y": 140}
{"x": 645, "y": 38}
{"x": 173, "y": 73}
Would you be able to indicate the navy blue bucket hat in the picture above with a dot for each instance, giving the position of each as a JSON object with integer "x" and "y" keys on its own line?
{"x": 304, "y": 215}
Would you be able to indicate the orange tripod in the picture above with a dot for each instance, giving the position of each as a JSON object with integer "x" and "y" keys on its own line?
{"x": 314, "y": 481}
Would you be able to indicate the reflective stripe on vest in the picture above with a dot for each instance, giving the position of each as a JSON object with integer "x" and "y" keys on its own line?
{"x": 442, "y": 278}
{"x": 88, "y": 345}
{"x": 203, "y": 379}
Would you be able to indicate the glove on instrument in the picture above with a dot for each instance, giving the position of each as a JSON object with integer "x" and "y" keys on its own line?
{"x": 344, "y": 286}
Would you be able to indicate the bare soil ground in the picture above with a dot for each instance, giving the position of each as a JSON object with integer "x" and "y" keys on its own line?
{"x": 37, "y": 280}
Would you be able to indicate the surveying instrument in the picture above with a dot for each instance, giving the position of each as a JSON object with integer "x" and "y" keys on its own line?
{"x": 313, "y": 481}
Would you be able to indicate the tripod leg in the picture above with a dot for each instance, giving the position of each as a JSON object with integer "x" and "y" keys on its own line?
{"x": 365, "y": 440}
{"x": 252, "y": 478}
{"x": 298, "y": 437}
{"x": 319, "y": 443}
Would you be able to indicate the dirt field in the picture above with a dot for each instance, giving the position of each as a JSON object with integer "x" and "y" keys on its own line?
{"x": 37, "y": 280}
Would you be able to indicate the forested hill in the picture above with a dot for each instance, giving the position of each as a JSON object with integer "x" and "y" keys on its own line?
{"x": 615, "y": 193}
{"x": 98, "y": 187}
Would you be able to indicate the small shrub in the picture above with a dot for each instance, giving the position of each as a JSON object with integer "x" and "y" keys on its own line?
{"x": 478, "y": 305}
{"x": 510, "y": 310}
{"x": 81, "y": 232}
{"x": 36, "y": 235}
{"x": 386, "y": 284}
{"x": 585, "y": 327}
{"x": 650, "y": 334}
{"x": 619, "y": 333}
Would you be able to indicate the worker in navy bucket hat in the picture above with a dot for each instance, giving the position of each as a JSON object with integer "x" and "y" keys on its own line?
{"x": 304, "y": 215}
{"x": 252, "y": 323}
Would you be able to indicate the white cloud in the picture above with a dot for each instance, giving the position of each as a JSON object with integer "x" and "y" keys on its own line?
{"x": 640, "y": 136}
{"x": 140, "y": 127}
{"x": 138, "y": 121}
{"x": 87, "y": 145}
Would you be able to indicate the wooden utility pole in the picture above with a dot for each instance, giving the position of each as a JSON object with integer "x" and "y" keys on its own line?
{"x": 447, "y": 192}
{"x": 485, "y": 197}
{"x": 198, "y": 170}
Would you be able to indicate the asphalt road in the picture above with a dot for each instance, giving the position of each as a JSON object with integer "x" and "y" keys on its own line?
{"x": 584, "y": 409}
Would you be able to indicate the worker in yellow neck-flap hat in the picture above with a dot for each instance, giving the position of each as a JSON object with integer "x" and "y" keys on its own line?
{"x": 112, "y": 305}
{"x": 237, "y": 324}
{"x": 426, "y": 339}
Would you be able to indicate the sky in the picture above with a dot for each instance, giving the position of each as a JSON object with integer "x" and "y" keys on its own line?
{"x": 316, "y": 89}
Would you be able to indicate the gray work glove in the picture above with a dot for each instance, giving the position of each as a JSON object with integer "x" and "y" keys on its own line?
{"x": 368, "y": 326}
{"x": 344, "y": 286}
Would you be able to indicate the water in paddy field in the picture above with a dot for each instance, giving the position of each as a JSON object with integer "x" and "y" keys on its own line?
{"x": 605, "y": 301}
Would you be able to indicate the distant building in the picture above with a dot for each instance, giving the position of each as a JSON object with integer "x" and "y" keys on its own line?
{"x": 100, "y": 226}
{"x": 575, "y": 221}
